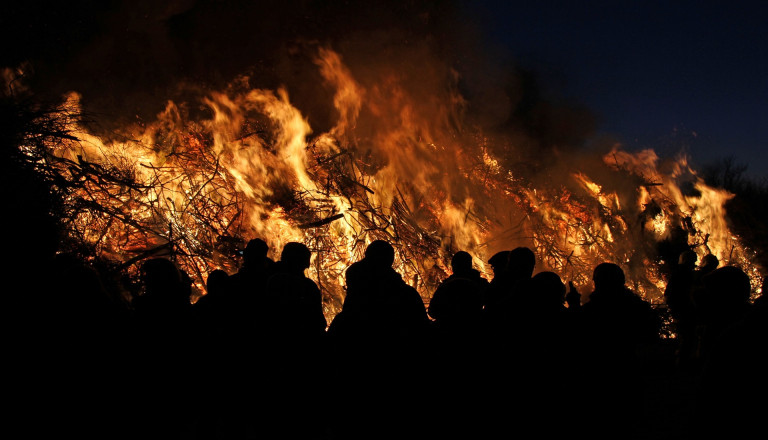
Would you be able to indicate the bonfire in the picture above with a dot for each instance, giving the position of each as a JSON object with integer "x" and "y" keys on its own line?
{"x": 204, "y": 177}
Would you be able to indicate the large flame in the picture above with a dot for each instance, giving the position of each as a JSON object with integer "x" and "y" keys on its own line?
{"x": 392, "y": 166}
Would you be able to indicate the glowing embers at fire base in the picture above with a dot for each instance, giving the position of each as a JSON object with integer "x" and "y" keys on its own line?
{"x": 390, "y": 167}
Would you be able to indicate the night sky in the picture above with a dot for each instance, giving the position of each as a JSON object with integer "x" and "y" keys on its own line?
{"x": 682, "y": 75}
{"x": 659, "y": 74}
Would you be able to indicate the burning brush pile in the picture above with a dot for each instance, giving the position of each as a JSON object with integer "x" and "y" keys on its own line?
{"x": 205, "y": 176}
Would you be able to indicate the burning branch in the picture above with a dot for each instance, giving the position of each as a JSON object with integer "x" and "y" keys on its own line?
{"x": 199, "y": 189}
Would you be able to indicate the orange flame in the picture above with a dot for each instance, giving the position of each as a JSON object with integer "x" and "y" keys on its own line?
{"x": 390, "y": 167}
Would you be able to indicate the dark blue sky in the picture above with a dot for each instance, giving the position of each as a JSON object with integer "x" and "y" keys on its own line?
{"x": 660, "y": 74}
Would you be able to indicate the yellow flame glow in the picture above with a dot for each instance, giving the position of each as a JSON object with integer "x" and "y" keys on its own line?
{"x": 256, "y": 169}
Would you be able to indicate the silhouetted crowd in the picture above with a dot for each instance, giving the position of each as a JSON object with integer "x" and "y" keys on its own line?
{"x": 521, "y": 354}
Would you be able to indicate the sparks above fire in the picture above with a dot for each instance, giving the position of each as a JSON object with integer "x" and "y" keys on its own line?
{"x": 204, "y": 177}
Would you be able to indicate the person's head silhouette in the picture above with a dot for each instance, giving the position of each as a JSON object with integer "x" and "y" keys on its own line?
{"x": 217, "y": 281}
{"x": 730, "y": 285}
{"x": 522, "y": 261}
{"x": 380, "y": 253}
{"x": 499, "y": 262}
{"x": 296, "y": 256}
{"x": 255, "y": 250}
{"x": 608, "y": 277}
{"x": 160, "y": 275}
{"x": 709, "y": 263}
{"x": 461, "y": 262}
{"x": 549, "y": 289}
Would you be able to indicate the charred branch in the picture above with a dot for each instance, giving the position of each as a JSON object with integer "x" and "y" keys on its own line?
{"x": 322, "y": 222}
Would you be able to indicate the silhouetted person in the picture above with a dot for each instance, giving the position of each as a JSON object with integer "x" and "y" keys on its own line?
{"x": 79, "y": 344}
{"x": 379, "y": 306}
{"x": 210, "y": 308}
{"x": 522, "y": 262}
{"x": 219, "y": 372}
{"x": 294, "y": 351}
{"x": 217, "y": 282}
{"x": 166, "y": 350}
{"x": 249, "y": 281}
{"x": 457, "y": 304}
{"x": 678, "y": 291}
{"x": 723, "y": 300}
{"x": 613, "y": 306}
{"x": 246, "y": 304}
{"x": 731, "y": 400}
{"x": 541, "y": 318}
{"x": 378, "y": 350}
{"x": 512, "y": 294}
{"x": 236, "y": 313}
{"x": 297, "y": 314}
{"x": 679, "y": 298}
{"x": 256, "y": 262}
{"x": 501, "y": 282}
{"x": 545, "y": 346}
{"x": 551, "y": 330}
{"x": 213, "y": 318}
{"x": 709, "y": 263}
{"x": 505, "y": 319}
{"x": 549, "y": 320}
{"x": 618, "y": 326}
{"x": 456, "y": 352}
{"x": 164, "y": 302}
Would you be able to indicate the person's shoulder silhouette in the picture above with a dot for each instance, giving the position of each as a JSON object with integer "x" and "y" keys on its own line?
{"x": 256, "y": 269}
{"x": 165, "y": 327}
{"x": 211, "y": 308}
{"x": 548, "y": 292}
{"x": 521, "y": 262}
{"x": 731, "y": 395}
{"x": 722, "y": 300}
{"x": 617, "y": 328}
{"x": 378, "y": 344}
{"x": 509, "y": 290}
{"x": 500, "y": 282}
{"x": 163, "y": 290}
{"x": 709, "y": 263}
{"x": 296, "y": 300}
{"x": 379, "y": 304}
{"x": 678, "y": 293}
{"x": 458, "y": 300}
{"x": 614, "y": 312}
